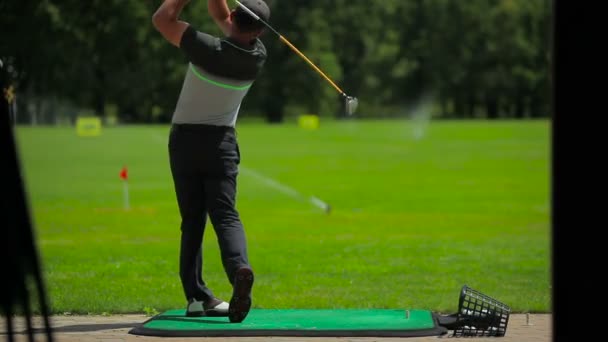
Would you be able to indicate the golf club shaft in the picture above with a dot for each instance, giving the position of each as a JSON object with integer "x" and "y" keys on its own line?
{"x": 295, "y": 49}
{"x": 288, "y": 43}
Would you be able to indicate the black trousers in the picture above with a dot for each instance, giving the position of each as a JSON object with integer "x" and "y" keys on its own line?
{"x": 204, "y": 164}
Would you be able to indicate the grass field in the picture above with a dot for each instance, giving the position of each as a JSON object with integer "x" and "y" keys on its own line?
{"x": 413, "y": 220}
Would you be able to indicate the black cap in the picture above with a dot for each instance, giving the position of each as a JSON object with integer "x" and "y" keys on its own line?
{"x": 259, "y": 7}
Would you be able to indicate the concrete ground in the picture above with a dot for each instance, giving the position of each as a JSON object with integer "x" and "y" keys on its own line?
{"x": 521, "y": 328}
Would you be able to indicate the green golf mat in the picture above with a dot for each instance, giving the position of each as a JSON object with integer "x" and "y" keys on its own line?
{"x": 293, "y": 322}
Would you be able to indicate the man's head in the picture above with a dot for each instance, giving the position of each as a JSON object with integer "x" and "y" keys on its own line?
{"x": 244, "y": 22}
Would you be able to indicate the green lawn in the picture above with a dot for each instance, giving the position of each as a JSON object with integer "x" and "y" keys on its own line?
{"x": 413, "y": 220}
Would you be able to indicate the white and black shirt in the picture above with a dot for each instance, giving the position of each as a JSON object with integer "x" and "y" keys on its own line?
{"x": 220, "y": 73}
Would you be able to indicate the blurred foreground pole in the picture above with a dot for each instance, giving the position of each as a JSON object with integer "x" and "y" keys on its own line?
{"x": 21, "y": 272}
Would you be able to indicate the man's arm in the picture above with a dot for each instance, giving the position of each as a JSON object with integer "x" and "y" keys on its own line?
{"x": 166, "y": 22}
{"x": 219, "y": 11}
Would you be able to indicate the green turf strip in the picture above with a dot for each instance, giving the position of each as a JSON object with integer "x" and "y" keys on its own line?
{"x": 291, "y": 322}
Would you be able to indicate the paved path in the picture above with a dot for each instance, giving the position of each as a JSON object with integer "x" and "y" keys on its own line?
{"x": 521, "y": 328}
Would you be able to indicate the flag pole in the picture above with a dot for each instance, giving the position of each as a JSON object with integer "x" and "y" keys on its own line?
{"x": 126, "y": 194}
{"x": 125, "y": 181}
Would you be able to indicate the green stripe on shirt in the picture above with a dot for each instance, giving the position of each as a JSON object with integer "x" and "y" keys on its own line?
{"x": 219, "y": 84}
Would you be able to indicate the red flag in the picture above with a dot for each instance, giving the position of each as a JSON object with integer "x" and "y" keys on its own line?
{"x": 123, "y": 173}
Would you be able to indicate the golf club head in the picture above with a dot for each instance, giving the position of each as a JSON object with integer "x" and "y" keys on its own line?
{"x": 350, "y": 104}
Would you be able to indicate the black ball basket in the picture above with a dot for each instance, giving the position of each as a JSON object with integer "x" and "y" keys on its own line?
{"x": 478, "y": 315}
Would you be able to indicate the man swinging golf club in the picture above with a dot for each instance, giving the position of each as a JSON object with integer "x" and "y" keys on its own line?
{"x": 203, "y": 149}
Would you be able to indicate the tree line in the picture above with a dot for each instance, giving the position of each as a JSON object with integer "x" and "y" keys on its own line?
{"x": 473, "y": 58}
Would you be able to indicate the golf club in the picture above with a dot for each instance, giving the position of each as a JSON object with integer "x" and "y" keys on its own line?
{"x": 350, "y": 102}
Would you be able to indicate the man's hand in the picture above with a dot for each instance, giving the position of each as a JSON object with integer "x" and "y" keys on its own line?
{"x": 165, "y": 20}
{"x": 220, "y": 12}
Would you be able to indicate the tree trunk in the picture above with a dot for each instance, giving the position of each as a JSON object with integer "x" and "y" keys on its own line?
{"x": 444, "y": 108}
{"x": 460, "y": 107}
{"x": 536, "y": 110}
{"x": 520, "y": 108}
{"x": 471, "y": 106}
{"x": 275, "y": 110}
{"x": 100, "y": 96}
{"x": 492, "y": 107}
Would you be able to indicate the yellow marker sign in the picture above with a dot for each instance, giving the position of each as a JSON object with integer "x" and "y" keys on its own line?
{"x": 308, "y": 121}
{"x": 88, "y": 126}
